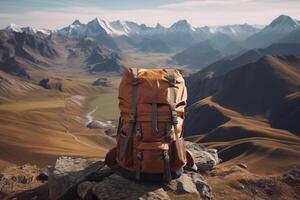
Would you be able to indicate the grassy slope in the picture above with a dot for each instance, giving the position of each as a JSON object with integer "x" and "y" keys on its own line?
{"x": 107, "y": 106}
{"x": 251, "y": 140}
{"x": 33, "y": 128}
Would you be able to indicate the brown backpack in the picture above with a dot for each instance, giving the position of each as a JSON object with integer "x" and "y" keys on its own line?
{"x": 150, "y": 143}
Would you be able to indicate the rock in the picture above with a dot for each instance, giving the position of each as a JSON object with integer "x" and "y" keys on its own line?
{"x": 100, "y": 174}
{"x": 116, "y": 187}
{"x": 98, "y": 125}
{"x": 68, "y": 173}
{"x": 22, "y": 179}
{"x": 104, "y": 82}
{"x": 242, "y": 165}
{"x": 205, "y": 159}
{"x": 240, "y": 186}
{"x": 191, "y": 183}
{"x": 85, "y": 179}
{"x": 110, "y": 132}
{"x": 42, "y": 177}
{"x": 84, "y": 190}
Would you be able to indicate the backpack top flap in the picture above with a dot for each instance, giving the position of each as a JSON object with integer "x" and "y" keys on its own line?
{"x": 152, "y": 87}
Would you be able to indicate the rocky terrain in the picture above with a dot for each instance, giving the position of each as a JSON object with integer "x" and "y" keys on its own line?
{"x": 76, "y": 178}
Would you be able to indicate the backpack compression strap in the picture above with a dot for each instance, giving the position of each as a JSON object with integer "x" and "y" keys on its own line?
{"x": 132, "y": 119}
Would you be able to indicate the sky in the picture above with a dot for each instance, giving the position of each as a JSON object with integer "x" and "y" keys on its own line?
{"x": 53, "y": 14}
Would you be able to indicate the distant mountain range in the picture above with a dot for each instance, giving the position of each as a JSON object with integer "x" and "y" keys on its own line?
{"x": 38, "y": 55}
{"x": 283, "y": 29}
{"x": 178, "y": 36}
{"x": 186, "y": 46}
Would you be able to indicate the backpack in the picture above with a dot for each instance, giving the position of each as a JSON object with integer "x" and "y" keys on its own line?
{"x": 149, "y": 136}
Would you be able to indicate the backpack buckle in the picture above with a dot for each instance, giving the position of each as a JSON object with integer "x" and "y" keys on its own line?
{"x": 174, "y": 117}
{"x": 171, "y": 82}
{"x": 138, "y": 131}
{"x": 139, "y": 155}
{"x": 134, "y": 81}
{"x": 132, "y": 118}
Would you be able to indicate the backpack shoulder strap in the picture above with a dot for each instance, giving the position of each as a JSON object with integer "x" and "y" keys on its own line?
{"x": 132, "y": 119}
{"x": 172, "y": 102}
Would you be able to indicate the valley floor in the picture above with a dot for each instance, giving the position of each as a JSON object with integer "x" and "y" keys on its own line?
{"x": 45, "y": 124}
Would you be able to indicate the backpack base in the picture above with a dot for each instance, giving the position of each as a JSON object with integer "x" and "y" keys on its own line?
{"x": 149, "y": 177}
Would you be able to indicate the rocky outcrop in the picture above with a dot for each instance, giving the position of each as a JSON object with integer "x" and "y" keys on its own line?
{"x": 104, "y": 82}
{"x": 95, "y": 124}
{"x": 68, "y": 172}
{"x": 205, "y": 159}
{"x": 90, "y": 179}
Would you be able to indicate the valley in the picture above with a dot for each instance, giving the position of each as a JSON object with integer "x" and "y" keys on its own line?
{"x": 43, "y": 124}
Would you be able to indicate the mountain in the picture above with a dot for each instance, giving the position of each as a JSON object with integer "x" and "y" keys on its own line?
{"x": 250, "y": 114}
{"x": 237, "y": 31}
{"x": 181, "y": 26}
{"x": 11, "y": 87}
{"x": 153, "y": 45}
{"x": 97, "y": 29}
{"x": 293, "y": 37}
{"x": 21, "y": 52}
{"x": 198, "y": 55}
{"x": 178, "y": 36}
{"x": 262, "y": 85}
{"x": 76, "y": 29}
{"x": 276, "y": 30}
{"x": 34, "y": 56}
{"x": 16, "y": 28}
{"x": 225, "y": 65}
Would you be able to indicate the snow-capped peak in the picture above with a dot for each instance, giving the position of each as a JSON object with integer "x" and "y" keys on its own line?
{"x": 28, "y": 29}
{"x": 159, "y": 26}
{"x": 13, "y": 27}
{"x": 109, "y": 28}
{"x": 182, "y": 26}
{"x": 76, "y": 22}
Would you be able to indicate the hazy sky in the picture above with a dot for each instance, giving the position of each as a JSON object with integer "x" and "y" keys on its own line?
{"x": 56, "y": 14}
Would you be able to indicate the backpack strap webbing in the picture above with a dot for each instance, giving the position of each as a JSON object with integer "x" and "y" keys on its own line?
{"x": 119, "y": 128}
{"x": 154, "y": 118}
{"x": 167, "y": 175}
{"x": 172, "y": 101}
{"x": 132, "y": 119}
{"x": 138, "y": 165}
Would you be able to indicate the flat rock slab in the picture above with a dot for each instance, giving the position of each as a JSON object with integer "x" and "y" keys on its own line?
{"x": 115, "y": 187}
{"x": 75, "y": 178}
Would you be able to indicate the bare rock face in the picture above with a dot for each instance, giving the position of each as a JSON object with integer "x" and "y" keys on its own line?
{"x": 205, "y": 159}
{"x": 191, "y": 183}
{"x": 104, "y": 82}
{"x": 116, "y": 187}
{"x": 91, "y": 180}
{"x": 98, "y": 125}
{"x": 67, "y": 173}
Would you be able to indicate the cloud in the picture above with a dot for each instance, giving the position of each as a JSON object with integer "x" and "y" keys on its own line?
{"x": 197, "y": 12}
{"x": 197, "y": 3}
